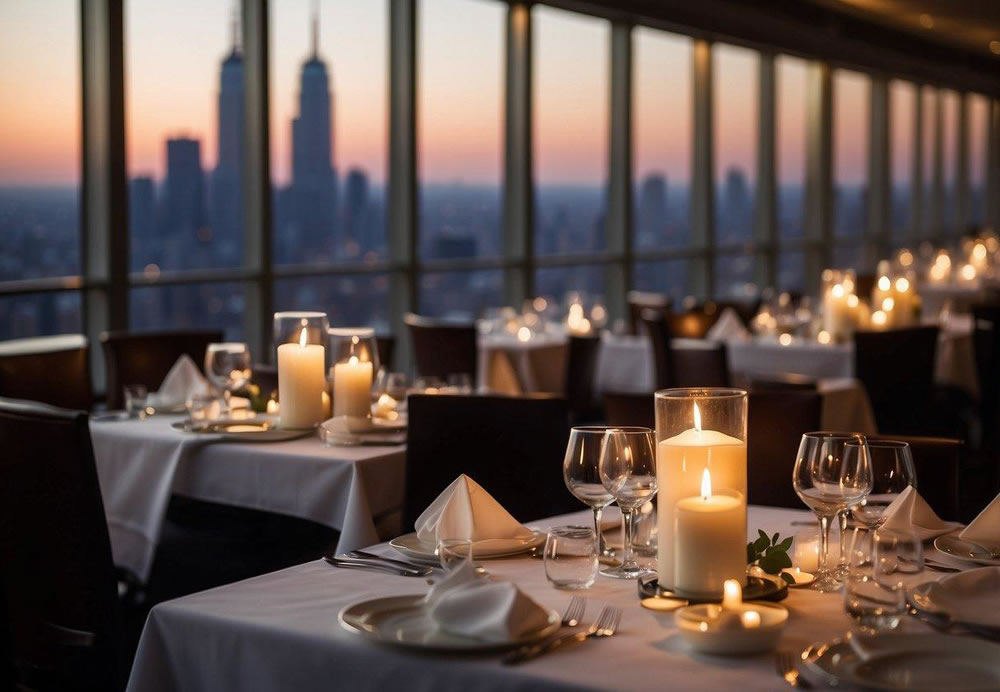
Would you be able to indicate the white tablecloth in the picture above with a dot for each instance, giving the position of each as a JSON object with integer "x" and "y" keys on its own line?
{"x": 509, "y": 365}
{"x": 280, "y": 632}
{"x": 140, "y": 463}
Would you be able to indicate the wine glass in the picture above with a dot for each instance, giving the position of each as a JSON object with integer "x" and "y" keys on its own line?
{"x": 892, "y": 472}
{"x": 832, "y": 474}
{"x": 628, "y": 471}
{"x": 875, "y": 586}
{"x": 581, "y": 472}
{"x": 228, "y": 367}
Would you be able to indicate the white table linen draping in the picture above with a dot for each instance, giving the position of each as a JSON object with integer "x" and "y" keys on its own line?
{"x": 140, "y": 463}
{"x": 507, "y": 364}
{"x": 280, "y": 632}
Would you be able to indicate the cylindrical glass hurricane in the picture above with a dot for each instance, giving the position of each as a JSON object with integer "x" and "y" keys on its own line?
{"x": 353, "y": 362}
{"x": 701, "y": 437}
{"x": 300, "y": 339}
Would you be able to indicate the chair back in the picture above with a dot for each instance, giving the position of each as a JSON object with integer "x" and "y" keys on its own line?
{"x": 51, "y": 369}
{"x": 776, "y": 422}
{"x": 641, "y": 300}
{"x": 512, "y": 446}
{"x": 60, "y": 588}
{"x": 655, "y": 324}
{"x": 786, "y": 382}
{"x": 986, "y": 344}
{"x": 581, "y": 370}
{"x": 442, "y": 348}
{"x": 706, "y": 366}
{"x": 937, "y": 462}
{"x": 386, "y": 346}
{"x": 146, "y": 357}
{"x": 897, "y": 370}
{"x": 627, "y": 408}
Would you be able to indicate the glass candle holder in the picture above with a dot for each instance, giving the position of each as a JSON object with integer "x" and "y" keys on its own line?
{"x": 353, "y": 362}
{"x": 701, "y": 438}
{"x": 300, "y": 338}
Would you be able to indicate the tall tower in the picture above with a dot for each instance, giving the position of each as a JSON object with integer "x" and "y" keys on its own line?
{"x": 227, "y": 179}
{"x": 313, "y": 188}
{"x": 183, "y": 211}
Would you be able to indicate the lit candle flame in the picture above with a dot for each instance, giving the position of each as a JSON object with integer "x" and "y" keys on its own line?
{"x": 302, "y": 338}
{"x": 706, "y": 484}
{"x": 750, "y": 619}
{"x": 732, "y": 595}
{"x": 697, "y": 418}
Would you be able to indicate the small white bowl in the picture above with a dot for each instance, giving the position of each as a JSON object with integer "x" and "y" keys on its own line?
{"x": 710, "y": 630}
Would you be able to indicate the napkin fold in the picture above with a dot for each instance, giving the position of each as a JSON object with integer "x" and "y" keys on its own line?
{"x": 466, "y": 510}
{"x": 470, "y": 605}
{"x": 910, "y": 512}
{"x": 729, "y": 327}
{"x": 969, "y": 596}
{"x": 183, "y": 381}
{"x": 985, "y": 528}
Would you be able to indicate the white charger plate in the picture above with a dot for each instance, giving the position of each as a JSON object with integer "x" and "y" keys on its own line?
{"x": 258, "y": 429}
{"x": 910, "y": 663}
{"x": 415, "y": 549}
{"x": 961, "y": 549}
{"x": 404, "y": 621}
{"x": 968, "y": 598}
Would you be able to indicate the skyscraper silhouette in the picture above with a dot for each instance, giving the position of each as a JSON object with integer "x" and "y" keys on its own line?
{"x": 313, "y": 188}
{"x": 183, "y": 206}
{"x": 227, "y": 179}
{"x": 652, "y": 216}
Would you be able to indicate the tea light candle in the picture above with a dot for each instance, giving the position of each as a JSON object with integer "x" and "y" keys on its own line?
{"x": 733, "y": 627}
{"x": 352, "y": 388}
{"x": 806, "y": 552}
{"x": 301, "y": 383}
{"x": 709, "y": 544}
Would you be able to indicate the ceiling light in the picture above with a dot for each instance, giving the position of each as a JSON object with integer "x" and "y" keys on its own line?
{"x": 927, "y": 21}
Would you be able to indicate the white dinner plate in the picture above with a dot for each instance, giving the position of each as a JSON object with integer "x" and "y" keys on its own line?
{"x": 968, "y": 598}
{"x": 963, "y": 550}
{"x": 259, "y": 429}
{"x": 910, "y": 662}
{"x": 405, "y": 621}
{"x": 415, "y": 549}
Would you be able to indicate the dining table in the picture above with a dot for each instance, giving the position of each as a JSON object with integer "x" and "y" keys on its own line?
{"x": 280, "y": 631}
{"x": 142, "y": 462}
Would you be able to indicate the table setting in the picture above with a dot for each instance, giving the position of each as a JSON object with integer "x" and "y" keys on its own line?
{"x": 729, "y": 599}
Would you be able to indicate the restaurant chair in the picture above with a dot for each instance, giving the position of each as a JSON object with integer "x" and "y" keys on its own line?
{"x": 627, "y": 408}
{"x": 146, "y": 357}
{"x": 386, "y": 347}
{"x": 654, "y": 324}
{"x": 780, "y": 382}
{"x": 642, "y": 300}
{"x": 776, "y": 422}
{"x": 706, "y": 366}
{"x": 986, "y": 345}
{"x": 59, "y": 582}
{"x": 581, "y": 370}
{"x": 512, "y": 446}
{"x": 938, "y": 463}
{"x": 52, "y": 369}
{"x": 442, "y": 347}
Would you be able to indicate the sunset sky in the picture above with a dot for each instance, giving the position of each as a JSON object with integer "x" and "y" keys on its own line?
{"x": 173, "y": 51}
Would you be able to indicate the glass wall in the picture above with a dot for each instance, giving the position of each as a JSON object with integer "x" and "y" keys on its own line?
{"x": 902, "y": 114}
{"x": 979, "y": 108}
{"x": 790, "y": 153}
{"x": 734, "y": 98}
{"x": 949, "y": 162}
{"x": 851, "y": 108}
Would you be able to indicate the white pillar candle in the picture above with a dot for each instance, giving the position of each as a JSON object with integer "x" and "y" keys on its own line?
{"x": 352, "y": 388}
{"x": 709, "y": 542}
{"x": 300, "y": 384}
{"x": 680, "y": 461}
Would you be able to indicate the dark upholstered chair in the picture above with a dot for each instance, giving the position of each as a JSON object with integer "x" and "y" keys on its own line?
{"x": 656, "y": 326}
{"x": 146, "y": 357}
{"x": 59, "y": 583}
{"x": 897, "y": 369}
{"x": 442, "y": 348}
{"x": 581, "y": 369}
{"x": 627, "y": 408}
{"x": 776, "y": 422}
{"x": 701, "y": 367}
{"x": 512, "y": 446}
{"x": 937, "y": 462}
{"x": 386, "y": 346}
{"x": 51, "y": 369}
{"x": 986, "y": 342}
{"x": 639, "y": 301}
{"x": 787, "y": 382}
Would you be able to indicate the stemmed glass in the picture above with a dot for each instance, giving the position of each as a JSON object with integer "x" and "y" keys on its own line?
{"x": 228, "y": 367}
{"x": 892, "y": 472}
{"x": 628, "y": 471}
{"x": 832, "y": 474}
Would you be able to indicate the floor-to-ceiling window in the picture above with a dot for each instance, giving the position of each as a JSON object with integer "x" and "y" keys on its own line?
{"x": 979, "y": 109}
{"x": 851, "y": 108}
{"x": 790, "y": 152}
{"x": 902, "y": 116}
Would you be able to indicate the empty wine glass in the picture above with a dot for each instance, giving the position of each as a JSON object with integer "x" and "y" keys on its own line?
{"x": 892, "y": 472}
{"x": 832, "y": 474}
{"x": 628, "y": 471}
{"x": 228, "y": 367}
{"x": 581, "y": 472}
{"x": 875, "y": 587}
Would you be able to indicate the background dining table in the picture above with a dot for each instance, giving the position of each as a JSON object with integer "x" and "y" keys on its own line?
{"x": 280, "y": 631}
{"x": 140, "y": 463}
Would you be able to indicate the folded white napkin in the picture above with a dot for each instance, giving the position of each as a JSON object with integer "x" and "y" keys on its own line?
{"x": 969, "y": 596}
{"x": 910, "y": 512}
{"x": 467, "y": 604}
{"x": 985, "y": 528}
{"x": 729, "y": 327}
{"x": 182, "y": 382}
{"x": 465, "y": 510}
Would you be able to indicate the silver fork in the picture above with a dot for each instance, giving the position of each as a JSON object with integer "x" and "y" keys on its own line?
{"x": 574, "y": 612}
{"x": 605, "y": 626}
{"x": 784, "y": 664}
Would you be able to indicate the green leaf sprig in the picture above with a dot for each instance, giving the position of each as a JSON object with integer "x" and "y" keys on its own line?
{"x": 771, "y": 554}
